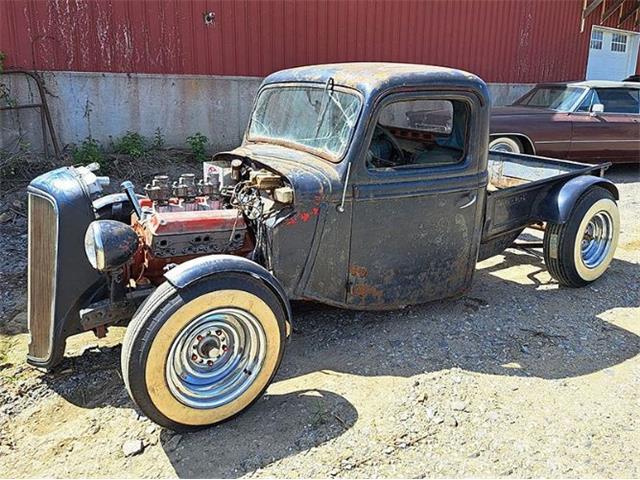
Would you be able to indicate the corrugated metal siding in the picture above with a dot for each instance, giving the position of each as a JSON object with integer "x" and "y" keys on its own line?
{"x": 502, "y": 41}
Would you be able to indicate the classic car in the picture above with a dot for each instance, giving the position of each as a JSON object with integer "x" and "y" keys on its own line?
{"x": 586, "y": 121}
{"x": 345, "y": 191}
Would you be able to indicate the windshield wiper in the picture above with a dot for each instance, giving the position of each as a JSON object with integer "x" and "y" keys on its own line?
{"x": 329, "y": 91}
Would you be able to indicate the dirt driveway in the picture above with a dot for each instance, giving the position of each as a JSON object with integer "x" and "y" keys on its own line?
{"x": 517, "y": 378}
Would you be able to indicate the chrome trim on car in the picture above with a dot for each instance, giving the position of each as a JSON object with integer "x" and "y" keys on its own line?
{"x": 49, "y": 198}
{"x": 604, "y": 141}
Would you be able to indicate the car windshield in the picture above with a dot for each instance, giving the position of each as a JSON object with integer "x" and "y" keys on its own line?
{"x": 317, "y": 118}
{"x": 555, "y": 97}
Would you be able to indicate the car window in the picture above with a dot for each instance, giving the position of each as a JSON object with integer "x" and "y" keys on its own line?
{"x": 555, "y": 97}
{"x": 419, "y": 132}
{"x": 618, "y": 100}
{"x": 588, "y": 102}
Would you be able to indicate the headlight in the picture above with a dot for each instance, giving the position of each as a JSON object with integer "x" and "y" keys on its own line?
{"x": 109, "y": 244}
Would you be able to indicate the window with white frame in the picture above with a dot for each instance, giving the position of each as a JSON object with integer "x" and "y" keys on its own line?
{"x": 619, "y": 43}
{"x": 596, "y": 39}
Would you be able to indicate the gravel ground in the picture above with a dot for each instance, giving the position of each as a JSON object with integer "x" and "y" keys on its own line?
{"x": 517, "y": 378}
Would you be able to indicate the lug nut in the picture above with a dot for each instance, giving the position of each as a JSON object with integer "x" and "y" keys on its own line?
{"x": 218, "y": 332}
{"x": 194, "y": 357}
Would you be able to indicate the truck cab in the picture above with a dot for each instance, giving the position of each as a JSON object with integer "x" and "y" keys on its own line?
{"x": 398, "y": 149}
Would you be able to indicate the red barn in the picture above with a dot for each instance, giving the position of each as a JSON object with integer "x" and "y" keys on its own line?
{"x": 194, "y": 65}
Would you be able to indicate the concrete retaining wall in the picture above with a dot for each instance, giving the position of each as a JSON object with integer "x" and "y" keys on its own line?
{"x": 106, "y": 105}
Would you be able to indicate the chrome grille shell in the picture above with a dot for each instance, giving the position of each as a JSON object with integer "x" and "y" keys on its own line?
{"x": 43, "y": 230}
{"x": 61, "y": 279}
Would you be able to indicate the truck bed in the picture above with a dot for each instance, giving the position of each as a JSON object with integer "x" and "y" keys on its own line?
{"x": 518, "y": 190}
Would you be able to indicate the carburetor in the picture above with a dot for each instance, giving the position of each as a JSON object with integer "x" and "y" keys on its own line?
{"x": 182, "y": 195}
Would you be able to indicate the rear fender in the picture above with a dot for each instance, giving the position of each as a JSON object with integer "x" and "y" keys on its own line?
{"x": 193, "y": 270}
{"x": 558, "y": 203}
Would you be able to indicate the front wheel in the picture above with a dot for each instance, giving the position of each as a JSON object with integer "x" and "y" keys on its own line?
{"x": 203, "y": 354}
{"x": 579, "y": 251}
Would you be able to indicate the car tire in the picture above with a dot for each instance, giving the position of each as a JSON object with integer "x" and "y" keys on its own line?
{"x": 201, "y": 355}
{"x": 579, "y": 251}
{"x": 506, "y": 144}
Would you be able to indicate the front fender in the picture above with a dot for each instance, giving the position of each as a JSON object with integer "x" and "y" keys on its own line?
{"x": 198, "y": 268}
{"x": 560, "y": 200}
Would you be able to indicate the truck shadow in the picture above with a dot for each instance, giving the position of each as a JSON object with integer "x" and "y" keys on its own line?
{"x": 508, "y": 324}
{"x": 275, "y": 427}
{"x": 623, "y": 173}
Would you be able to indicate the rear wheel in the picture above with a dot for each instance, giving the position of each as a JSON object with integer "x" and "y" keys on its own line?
{"x": 506, "y": 144}
{"x": 579, "y": 251}
{"x": 201, "y": 355}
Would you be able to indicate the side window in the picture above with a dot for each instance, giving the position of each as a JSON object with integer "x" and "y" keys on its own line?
{"x": 419, "y": 132}
{"x": 590, "y": 100}
{"x": 619, "y": 100}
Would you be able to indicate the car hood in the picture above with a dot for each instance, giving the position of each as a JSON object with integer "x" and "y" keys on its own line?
{"x": 312, "y": 178}
{"x": 516, "y": 110}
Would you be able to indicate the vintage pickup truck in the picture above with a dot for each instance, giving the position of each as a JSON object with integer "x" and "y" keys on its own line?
{"x": 363, "y": 186}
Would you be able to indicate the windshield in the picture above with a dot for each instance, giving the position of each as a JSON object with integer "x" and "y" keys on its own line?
{"x": 555, "y": 97}
{"x": 317, "y": 118}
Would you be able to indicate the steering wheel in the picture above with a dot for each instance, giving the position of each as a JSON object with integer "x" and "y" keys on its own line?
{"x": 396, "y": 158}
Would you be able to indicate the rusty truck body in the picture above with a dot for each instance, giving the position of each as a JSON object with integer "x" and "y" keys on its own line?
{"x": 363, "y": 186}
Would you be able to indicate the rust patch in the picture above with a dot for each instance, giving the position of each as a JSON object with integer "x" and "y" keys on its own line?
{"x": 358, "y": 271}
{"x": 366, "y": 292}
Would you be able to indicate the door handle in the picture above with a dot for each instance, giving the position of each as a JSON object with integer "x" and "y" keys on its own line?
{"x": 472, "y": 200}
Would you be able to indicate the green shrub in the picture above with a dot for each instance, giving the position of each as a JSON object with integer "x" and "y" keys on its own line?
{"x": 132, "y": 144}
{"x": 197, "y": 142}
{"x": 89, "y": 151}
{"x": 158, "y": 140}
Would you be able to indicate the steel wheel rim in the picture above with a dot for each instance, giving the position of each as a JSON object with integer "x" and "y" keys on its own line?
{"x": 597, "y": 239}
{"x": 216, "y": 358}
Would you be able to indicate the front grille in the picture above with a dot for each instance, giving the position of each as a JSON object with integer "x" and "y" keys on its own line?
{"x": 43, "y": 243}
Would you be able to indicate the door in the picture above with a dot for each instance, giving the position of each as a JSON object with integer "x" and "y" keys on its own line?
{"x": 417, "y": 198}
{"x": 611, "y": 135}
{"x": 612, "y": 54}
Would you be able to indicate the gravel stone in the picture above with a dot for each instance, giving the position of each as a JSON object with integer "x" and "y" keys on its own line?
{"x": 132, "y": 447}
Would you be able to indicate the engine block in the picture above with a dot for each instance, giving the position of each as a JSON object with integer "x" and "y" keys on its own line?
{"x": 182, "y": 233}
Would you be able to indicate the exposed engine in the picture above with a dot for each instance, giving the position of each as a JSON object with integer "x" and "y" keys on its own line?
{"x": 222, "y": 213}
